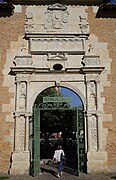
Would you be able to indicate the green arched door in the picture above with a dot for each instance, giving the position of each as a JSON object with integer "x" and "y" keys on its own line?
{"x": 80, "y": 151}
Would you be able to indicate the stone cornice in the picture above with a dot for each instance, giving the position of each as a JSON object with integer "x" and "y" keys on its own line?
{"x": 34, "y": 70}
{"x": 90, "y": 70}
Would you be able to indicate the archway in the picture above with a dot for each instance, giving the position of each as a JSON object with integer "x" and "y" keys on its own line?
{"x": 58, "y": 117}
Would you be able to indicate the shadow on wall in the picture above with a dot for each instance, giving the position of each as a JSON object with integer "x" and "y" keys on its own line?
{"x": 6, "y": 9}
{"x": 10, "y": 165}
{"x": 106, "y": 11}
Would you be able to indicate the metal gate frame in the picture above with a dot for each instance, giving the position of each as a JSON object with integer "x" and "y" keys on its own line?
{"x": 36, "y": 140}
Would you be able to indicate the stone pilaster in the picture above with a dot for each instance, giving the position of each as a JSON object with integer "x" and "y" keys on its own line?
{"x": 89, "y": 133}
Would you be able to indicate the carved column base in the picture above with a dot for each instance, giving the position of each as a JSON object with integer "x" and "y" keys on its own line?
{"x": 97, "y": 162}
{"x": 21, "y": 162}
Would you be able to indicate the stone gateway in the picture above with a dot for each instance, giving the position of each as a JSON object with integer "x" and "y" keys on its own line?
{"x": 67, "y": 44}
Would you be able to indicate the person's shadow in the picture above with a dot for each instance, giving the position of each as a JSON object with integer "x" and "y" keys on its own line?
{"x": 48, "y": 171}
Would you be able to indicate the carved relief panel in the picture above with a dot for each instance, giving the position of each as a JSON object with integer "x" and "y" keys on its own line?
{"x": 56, "y": 16}
{"x": 45, "y": 45}
{"x": 22, "y": 133}
{"x": 22, "y": 96}
{"x": 93, "y": 95}
{"x": 94, "y": 132}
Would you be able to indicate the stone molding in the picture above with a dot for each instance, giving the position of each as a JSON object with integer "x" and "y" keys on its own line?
{"x": 56, "y": 45}
{"x": 24, "y": 60}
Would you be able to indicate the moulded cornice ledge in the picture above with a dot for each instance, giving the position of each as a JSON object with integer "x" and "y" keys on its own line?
{"x": 90, "y": 70}
{"x": 27, "y": 70}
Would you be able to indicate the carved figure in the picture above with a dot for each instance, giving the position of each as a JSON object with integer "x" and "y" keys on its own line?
{"x": 22, "y": 102}
{"x": 92, "y": 95}
{"x": 83, "y": 25}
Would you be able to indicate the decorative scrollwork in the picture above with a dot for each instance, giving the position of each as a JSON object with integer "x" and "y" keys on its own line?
{"x": 54, "y": 105}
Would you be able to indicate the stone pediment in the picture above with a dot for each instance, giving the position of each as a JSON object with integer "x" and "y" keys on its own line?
{"x": 57, "y": 6}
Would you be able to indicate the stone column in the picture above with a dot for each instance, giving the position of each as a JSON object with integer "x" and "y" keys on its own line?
{"x": 27, "y": 100}
{"x": 16, "y": 143}
{"x": 98, "y": 94}
{"x": 87, "y": 94}
{"x": 99, "y": 133}
{"x": 89, "y": 137}
{"x": 26, "y": 133}
{"x": 86, "y": 132}
{"x": 99, "y": 117}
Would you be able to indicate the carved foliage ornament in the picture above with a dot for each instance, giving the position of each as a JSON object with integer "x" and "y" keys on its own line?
{"x": 94, "y": 132}
{"x": 56, "y": 16}
{"x": 21, "y": 133}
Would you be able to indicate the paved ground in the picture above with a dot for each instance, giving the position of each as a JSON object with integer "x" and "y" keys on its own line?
{"x": 49, "y": 173}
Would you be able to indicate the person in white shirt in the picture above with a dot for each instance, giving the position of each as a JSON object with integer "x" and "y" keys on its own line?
{"x": 59, "y": 153}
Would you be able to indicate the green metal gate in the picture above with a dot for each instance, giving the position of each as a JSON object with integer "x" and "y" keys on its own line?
{"x": 51, "y": 105}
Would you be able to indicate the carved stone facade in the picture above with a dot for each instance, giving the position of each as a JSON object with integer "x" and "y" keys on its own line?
{"x": 51, "y": 43}
{"x": 58, "y": 36}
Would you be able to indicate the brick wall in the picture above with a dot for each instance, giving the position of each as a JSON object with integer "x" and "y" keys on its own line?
{"x": 10, "y": 29}
{"x": 105, "y": 30}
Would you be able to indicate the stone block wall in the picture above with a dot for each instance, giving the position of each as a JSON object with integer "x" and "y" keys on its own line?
{"x": 10, "y": 29}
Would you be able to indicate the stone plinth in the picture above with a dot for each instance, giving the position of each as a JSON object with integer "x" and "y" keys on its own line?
{"x": 21, "y": 164}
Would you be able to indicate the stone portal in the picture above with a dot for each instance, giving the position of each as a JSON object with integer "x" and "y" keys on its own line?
{"x": 57, "y": 50}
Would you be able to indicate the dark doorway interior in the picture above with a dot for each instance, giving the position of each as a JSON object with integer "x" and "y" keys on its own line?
{"x": 59, "y": 127}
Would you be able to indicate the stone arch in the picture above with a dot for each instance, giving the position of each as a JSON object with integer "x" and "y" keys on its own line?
{"x": 45, "y": 86}
{"x": 80, "y": 133}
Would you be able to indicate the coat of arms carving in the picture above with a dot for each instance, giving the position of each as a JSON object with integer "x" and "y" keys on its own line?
{"x": 56, "y": 16}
